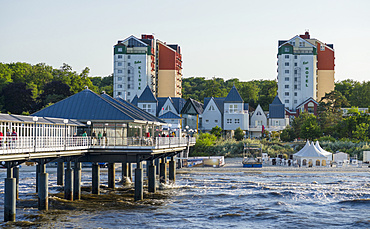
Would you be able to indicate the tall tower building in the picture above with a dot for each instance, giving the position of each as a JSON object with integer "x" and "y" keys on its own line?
{"x": 146, "y": 62}
{"x": 305, "y": 69}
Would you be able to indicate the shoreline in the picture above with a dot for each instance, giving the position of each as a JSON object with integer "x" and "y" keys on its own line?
{"x": 234, "y": 165}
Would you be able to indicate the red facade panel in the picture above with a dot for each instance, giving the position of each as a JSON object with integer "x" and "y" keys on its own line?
{"x": 325, "y": 59}
{"x": 167, "y": 58}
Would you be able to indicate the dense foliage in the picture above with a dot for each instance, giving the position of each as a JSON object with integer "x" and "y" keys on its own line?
{"x": 26, "y": 88}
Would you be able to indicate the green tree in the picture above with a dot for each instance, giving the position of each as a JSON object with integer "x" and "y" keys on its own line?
{"x": 287, "y": 135}
{"x": 54, "y": 92}
{"x": 361, "y": 131}
{"x": 17, "y": 98}
{"x": 310, "y": 128}
{"x": 216, "y": 131}
{"x": 239, "y": 134}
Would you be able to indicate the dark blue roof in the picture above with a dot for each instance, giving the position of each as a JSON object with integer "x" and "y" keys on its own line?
{"x": 134, "y": 100}
{"x": 219, "y": 103}
{"x": 147, "y": 96}
{"x": 132, "y": 108}
{"x": 161, "y": 102}
{"x": 178, "y": 103}
{"x": 233, "y": 96}
{"x": 87, "y": 105}
{"x": 191, "y": 103}
{"x": 169, "y": 115}
{"x": 276, "y": 109}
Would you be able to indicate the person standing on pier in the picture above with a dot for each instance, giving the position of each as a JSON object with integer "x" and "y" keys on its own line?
{"x": 14, "y": 138}
{"x": 8, "y": 138}
{"x": 1, "y": 138}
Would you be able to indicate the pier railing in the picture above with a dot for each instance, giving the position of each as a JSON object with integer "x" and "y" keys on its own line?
{"x": 14, "y": 145}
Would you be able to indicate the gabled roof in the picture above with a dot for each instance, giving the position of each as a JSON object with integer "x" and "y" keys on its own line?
{"x": 132, "y": 108}
{"x": 260, "y": 110}
{"x": 306, "y": 101}
{"x": 147, "y": 96}
{"x": 233, "y": 96}
{"x": 192, "y": 107}
{"x": 293, "y": 38}
{"x": 87, "y": 105}
{"x": 133, "y": 37}
{"x": 169, "y": 115}
{"x": 276, "y": 109}
{"x": 178, "y": 103}
{"x": 134, "y": 100}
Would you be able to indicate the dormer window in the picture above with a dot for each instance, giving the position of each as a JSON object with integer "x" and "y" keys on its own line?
{"x": 211, "y": 108}
{"x": 233, "y": 108}
{"x": 259, "y": 113}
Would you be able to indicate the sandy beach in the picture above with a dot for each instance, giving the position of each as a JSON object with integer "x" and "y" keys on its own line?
{"x": 234, "y": 165}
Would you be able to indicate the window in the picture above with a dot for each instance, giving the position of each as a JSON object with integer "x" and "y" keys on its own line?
{"x": 301, "y": 44}
{"x": 119, "y": 93}
{"x": 295, "y": 79}
{"x": 128, "y": 93}
{"x": 211, "y": 108}
{"x": 287, "y": 56}
{"x": 286, "y": 78}
{"x": 286, "y": 71}
{"x": 139, "y": 88}
{"x": 128, "y": 86}
{"x": 295, "y": 71}
{"x": 128, "y": 64}
{"x": 119, "y": 78}
{"x": 322, "y": 47}
{"x": 295, "y": 64}
{"x": 128, "y": 78}
{"x": 207, "y": 121}
{"x": 258, "y": 122}
{"x": 129, "y": 71}
{"x": 295, "y": 101}
{"x": 286, "y": 86}
{"x": 119, "y": 64}
{"x": 286, "y": 93}
{"x": 295, "y": 87}
{"x": 277, "y": 123}
{"x": 295, "y": 57}
{"x": 119, "y": 56}
{"x": 258, "y": 113}
{"x": 287, "y": 101}
{"x": 119, "y": 71}
{"x": 216, "y": 121}
{"x": 128, "y": 57}
{"x": 237, "y": 120}
{"x": 119, "y": 85}
{"x": 233, "y": 108}
{"x": 139, "y": 79}
{"x": 119, "y": 49}
{"x": 286, "y": 63}
{"x": 311, "y": 107}
{"x": 229, "y": 120}
{"x": 295, "y": 93}
{"x": 286, "y": 49}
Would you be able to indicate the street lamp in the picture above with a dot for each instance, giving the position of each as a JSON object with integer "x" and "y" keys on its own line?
{"x": 169, "y": 129}
{"x": 88, "y": 129}
{"x": 179, "y": 127}
{"x": 35, "y": 119}
{"x": 65, "y": 121}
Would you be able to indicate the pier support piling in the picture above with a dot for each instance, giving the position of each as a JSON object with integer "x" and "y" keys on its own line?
{"x": 111, "y": 175}
{"x": 77, "y": 181}
{"x": 68, "y": 187}
{"x": 60, "y": 173}
{"x": 163, "y": 171}
{"x": 16, "y": 176}
{"x": 125, "y": 178}
{"x": 43, "y": 194}
{"x": 37, "y": 176}
{"x": 130, "y": 171}
{"x": 139, "y": 195}
{"x": 10, "y": 196}
{"x": 95, "y": 178}
{"x": 172, "y": 170}
{"x": 151, "y": 176}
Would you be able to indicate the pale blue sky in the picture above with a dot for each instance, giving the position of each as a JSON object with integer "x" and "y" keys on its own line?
{"x": 218, "y": 38}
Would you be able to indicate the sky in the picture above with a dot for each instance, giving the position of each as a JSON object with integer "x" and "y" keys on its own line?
{"x": 227, "y": 39}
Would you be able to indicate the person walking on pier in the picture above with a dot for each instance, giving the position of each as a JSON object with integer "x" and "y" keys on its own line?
{"x": 8, "y": 138}
{"x": 1, "y": 138}
{"x": 99, "y": 138}
{"x": 14, "y": 138}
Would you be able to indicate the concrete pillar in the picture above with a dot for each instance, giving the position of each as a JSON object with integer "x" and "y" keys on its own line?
{"x": 111, "y": 175}
{"x": 130, "y": 171}
{"x": 68, "y": 187}
{"x": 151, "y": 177}
{"x": 172, "y": 170}
{"x": 139, "y": 194}
{"x": 95, "y": 178}
{"x": 10, "y": 196}
{"x": 156, "y": 163}
{"x": 163, "y": 171}
{"x": 77, "y": 181}
{"x": 10, "y": 199}
{"x": 43, "y": 191}
{"x": 16, "y": 176}
{"x": 60, "y": 173}
{"x": 37, "y": 176}
{"x": 125, "y": 178}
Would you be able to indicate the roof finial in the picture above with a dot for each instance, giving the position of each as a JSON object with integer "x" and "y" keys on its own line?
{"x": 86, "y": 87}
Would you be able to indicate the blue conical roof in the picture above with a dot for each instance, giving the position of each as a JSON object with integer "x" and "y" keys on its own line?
{"x": 276, "y": 100}
{"x": 233, "y": 96}
{"x": 147, "y": 96}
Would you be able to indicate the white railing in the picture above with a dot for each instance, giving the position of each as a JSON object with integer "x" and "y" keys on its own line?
{"x": 14, "y": 145}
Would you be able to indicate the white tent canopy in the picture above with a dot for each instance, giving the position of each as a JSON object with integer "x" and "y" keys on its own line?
{"x": 326, "y": 153}
{"x": 310, "y": 155}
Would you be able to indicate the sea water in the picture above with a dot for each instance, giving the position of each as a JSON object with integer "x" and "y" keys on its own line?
{"x": 217, "y": 200}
